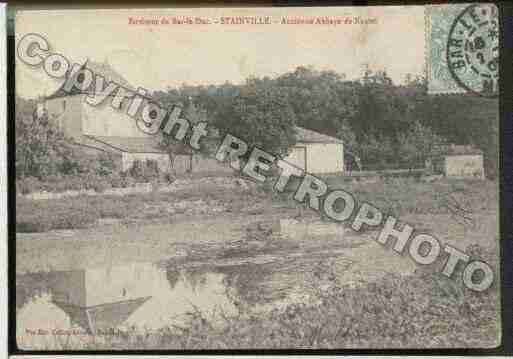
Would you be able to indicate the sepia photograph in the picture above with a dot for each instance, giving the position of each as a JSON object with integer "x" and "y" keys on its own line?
{"x": 257, "y": 178}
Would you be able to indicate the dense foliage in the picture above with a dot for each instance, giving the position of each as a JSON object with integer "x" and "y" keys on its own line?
{"x": 43, "y": 151}
{"x": 387, "y": 125}
{"x": 261, "y": 115}
{"x": 379, "y": 121}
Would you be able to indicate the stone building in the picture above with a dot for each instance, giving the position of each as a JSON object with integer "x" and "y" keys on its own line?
{"x": 102, "y": 128}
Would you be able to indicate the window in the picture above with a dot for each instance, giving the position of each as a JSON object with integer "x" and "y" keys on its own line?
{"x": 64, "y": 105}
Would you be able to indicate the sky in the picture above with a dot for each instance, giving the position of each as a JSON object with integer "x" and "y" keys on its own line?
{"x": 159, "y": 56}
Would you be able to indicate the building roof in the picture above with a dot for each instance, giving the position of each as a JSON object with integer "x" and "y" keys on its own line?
{"x": 103, "y": 316}
{"x": 309, "y": 136}
{"x": 98, "y": 68}
{"x": 130, "y": 144}
{"x": 454, "y": 150}
{"x": 108, "y": 72}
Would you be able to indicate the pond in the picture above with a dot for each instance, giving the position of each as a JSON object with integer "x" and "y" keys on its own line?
{"x": 86, "y": 302}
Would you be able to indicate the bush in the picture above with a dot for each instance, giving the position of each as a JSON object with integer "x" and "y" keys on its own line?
{"x": 28, "y": 185}
{"x": 105, "y": 165}
{"x": 97, "y": 183}
{"x": 101, "y": 185}
{"x": 52, "y": 183}
{"x": 97, "y": 177}
{"x": 121, "y": 207}
{"x": 49, "y": 184}
{"x": 136, "y": 171}
{"x": 44, "y": 215}
{"x": 146, "y": 171}
{"x": 151, "y": 170}
{"x": 73, "y": 183}
{"x": 120, "y": 180}
{"x": 168, "y": 177}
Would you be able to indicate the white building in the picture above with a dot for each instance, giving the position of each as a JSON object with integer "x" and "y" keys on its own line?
{"x": 317, "y": 153}
{"x": 102, "y": 128}
{"x": 458, "y": 161}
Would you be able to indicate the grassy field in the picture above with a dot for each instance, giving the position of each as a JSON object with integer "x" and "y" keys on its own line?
{"x": 397, "y": 196}
{"x": 85, "y": 211}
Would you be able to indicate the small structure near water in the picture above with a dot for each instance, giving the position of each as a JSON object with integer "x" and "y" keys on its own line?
{"x": 460, "y": 161}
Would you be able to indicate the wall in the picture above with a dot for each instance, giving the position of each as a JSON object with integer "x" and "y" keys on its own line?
{"x": 67, "y": 113}
{"x": 181, "y": 164}
{"x": 297, "y": 156}
{"x": 93, "y": 149}
{"x": 324, "y": 158}
{"x": 103, "y": 120}
{"x": 161, "y": 158}
{"x": 77, "y": 117}
{"x": 320, "y": 157}
{"x": 464, "y": 166}
{"x": 199, "y": 164}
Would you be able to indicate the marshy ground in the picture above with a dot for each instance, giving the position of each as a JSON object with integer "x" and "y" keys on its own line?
{"x": 241, "y": 267}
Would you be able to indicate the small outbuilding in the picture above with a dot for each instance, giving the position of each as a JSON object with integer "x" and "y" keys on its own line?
{"x": 459, "y": 161}
{"x": 317, "y": 153}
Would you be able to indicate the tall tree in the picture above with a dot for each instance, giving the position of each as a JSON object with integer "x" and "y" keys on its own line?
{"x": 322, "y": 100}
{"x": 41, "y": 148}
{"x": 260, "y": 115}
{"x": 417, "y": 145}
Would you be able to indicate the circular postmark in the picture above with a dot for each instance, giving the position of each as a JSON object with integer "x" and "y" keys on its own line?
{"x": 473, "y": 49}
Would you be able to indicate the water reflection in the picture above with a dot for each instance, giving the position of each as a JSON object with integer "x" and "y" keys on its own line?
{"x": 257, "y": 272}
{"x": 142, "y": 295}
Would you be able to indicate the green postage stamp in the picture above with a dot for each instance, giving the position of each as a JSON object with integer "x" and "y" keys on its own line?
{"x": 462, "y": 49}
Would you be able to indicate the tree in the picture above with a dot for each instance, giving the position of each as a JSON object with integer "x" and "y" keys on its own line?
{"x": 41, "y": 148}
{"x": 346, "y": 134}
{"x": 383, "y": 108}
{"x": 417, "y": 145}
{"x": 376, "y": 152}
{"x": 465, "y": 119}
{"x": 370, "y": 115}
{"x": 260, "y": 115}
{"x": 322, "y": 100}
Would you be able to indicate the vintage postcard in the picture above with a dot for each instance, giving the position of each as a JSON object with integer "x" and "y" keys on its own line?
{"x": 257, "y": 178}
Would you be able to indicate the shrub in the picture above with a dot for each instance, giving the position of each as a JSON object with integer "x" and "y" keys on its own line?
{"x": 28, "y": 185}
{"x": 97, "y": 183}
{"x": 146, "y": 171}
{"x": 54, "y": 183}
{"x": 136, "y": 171}
{"x": 394, "y": 312}
{"x": 120, "y": 180}
{"x": 101, "y": 185}
{"x": 105, "y": 165}
{"x": 151, "y": 169}
{"x": 115, "y": 206}
{"x": 168, "y": 177}
{"x": 33, "y": 223}
{"x": 44, "y": 215}
{"x": 73, "y": 183}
